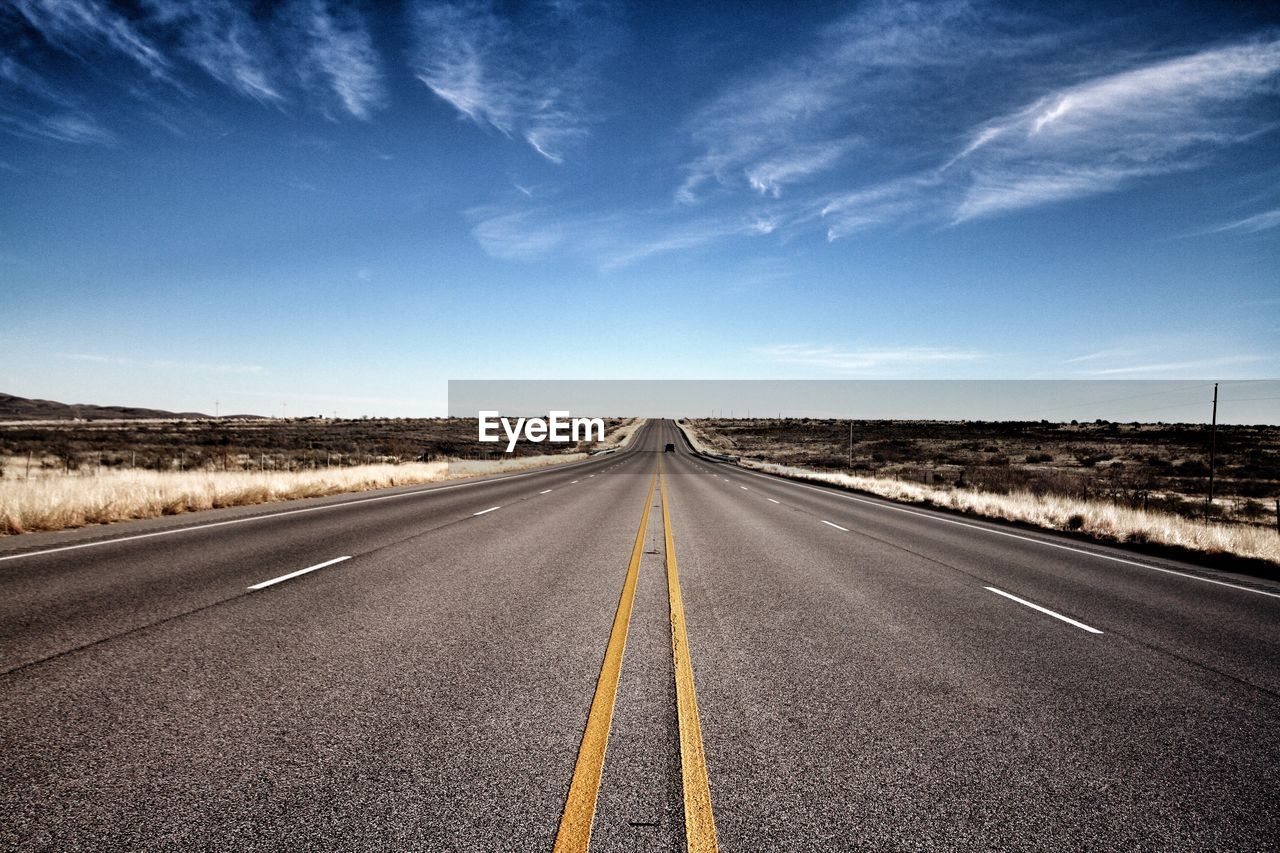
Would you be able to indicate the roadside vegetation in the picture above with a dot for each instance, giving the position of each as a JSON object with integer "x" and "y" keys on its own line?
{"x": 1127, "y": 483}
{"x": 31, "y": 449}
{"x": 84, "y": 474}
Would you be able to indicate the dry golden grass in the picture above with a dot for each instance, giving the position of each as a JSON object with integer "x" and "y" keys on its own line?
{"x": 1099, "y": 519}
{"x": 698, "y": 439}
{"x": 621, "y": 436}
{"x": 75, "y": 500}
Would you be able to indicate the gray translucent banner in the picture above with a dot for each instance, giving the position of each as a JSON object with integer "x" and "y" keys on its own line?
{"x": 1168, "y": 401}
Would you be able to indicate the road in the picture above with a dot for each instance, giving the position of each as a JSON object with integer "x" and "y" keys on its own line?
{"x": 841, "y": 673}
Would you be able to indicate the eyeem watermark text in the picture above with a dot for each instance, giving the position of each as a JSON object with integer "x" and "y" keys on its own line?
{"x": 558, "y": 426}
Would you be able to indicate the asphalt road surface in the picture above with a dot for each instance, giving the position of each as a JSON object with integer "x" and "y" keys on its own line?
{"x": 804, "y": 669}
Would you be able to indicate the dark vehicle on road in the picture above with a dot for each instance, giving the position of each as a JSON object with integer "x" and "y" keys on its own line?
{"x": 671, "y": 448}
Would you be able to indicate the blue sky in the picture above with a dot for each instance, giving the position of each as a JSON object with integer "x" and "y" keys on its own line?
{"x": 312, "y": 207}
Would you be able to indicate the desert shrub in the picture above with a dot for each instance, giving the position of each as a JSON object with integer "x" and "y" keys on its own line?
{"x": 1256, "y": 488}
{"x": 1250, "y": 510}
{"x": 1191, "y": 468}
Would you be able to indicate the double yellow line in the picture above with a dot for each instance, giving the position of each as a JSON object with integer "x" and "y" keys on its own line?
{"x": 580, "y": 806}
{"x": 699, "y": 822}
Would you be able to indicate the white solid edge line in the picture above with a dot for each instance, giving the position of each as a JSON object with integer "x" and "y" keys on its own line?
{"x": 483, "y": 511}
{"x": 772, "y": 501}
{"x": 544, "y": 491}
{"x": 274, "y": 581}
{"x": 833, "y": 524}
{"x": 264, "y": 516}
{"x": 889, "y": 506}
{"x": 1044, "y": 610}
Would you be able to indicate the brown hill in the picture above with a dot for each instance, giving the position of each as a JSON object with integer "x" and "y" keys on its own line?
{"x": 22, "y": 409}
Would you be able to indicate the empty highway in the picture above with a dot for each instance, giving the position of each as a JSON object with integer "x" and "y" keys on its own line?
{"x": 641, "y": 651}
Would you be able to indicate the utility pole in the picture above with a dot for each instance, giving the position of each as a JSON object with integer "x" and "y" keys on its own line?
{"x": 1213, "y": 450}
{"x": 217, "y": 408}
{"x": 850, "y": 445}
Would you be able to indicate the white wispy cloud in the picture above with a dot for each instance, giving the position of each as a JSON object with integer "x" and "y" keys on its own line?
{"x": 616, "y": 253}
{"x": 518, "y": 234}
{"x": 769, "y": 176}
{"x": 221, "y": 38}
{"x": 19, "y": 77}
{"x": 771, "y": 145}
{"x": 340, "y": 51}
{"x": 865, "y": 77}
{"x": 886, "y": 87}
{"x": 265, "y": 54}
{"x": 1090, "y": 138}
{"x": 896, "y": 200}
{"x": 608, "y": 242}
{"x": 1251, "y": 224}
{"x": 78, "y": 128}
{"x": 1175, "y": 355}
{"x": 1099, "y": 355}
{"x": 74, "y": 25}
{"x": 755, "y": 134}
{"x": 31, "y": 107}
{"x": 1182, "y": 368}
{"x": 838, "y": 360}
{"x": 529, "y": 82}
{"x": 1094, "y": 137}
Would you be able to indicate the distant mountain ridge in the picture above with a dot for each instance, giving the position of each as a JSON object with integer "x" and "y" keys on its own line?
{"x": 22, "y": 409}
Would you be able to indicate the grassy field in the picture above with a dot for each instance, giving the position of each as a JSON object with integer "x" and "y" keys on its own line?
{"x": 99, "y": 473}
{"x": 34, "y": 449}
{"x": 1154, "y": 466}
{"x": 1136, "y": 483}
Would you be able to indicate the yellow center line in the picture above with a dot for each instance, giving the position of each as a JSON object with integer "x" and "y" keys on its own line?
{"x": 699, "y": 822}
{"x": 580, "y": 806}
